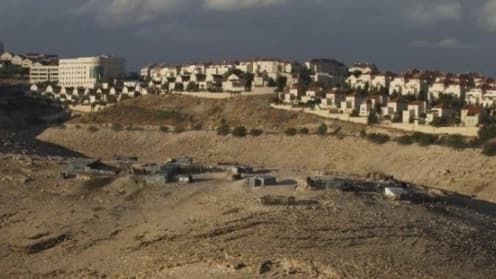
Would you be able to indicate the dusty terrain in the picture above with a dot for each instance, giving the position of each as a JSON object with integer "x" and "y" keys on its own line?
{"x": 120, "y": 228}
{"x": 187, "y": 111}
{"x": 51, "y": 227}
{"x": 465, "y": 171}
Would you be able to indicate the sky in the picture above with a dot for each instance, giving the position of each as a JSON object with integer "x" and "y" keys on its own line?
{"x": 397, "y": 35}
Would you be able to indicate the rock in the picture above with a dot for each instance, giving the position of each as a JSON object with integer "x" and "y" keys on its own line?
{"x": 239, "y": 266}
{"x": 445, "y": 172}
{"x": 265, "y": 267}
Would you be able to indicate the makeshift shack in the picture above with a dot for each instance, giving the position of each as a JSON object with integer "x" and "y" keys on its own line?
{"x": 89, "y": 167}
{"x": 157, "y": 179}
{"x": 262, "y": 181}
{"x": 327, "y": 182}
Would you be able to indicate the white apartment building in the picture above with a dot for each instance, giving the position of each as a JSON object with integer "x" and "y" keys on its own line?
{"x": 88, "y": 72}
{"x": 39, "y": 73}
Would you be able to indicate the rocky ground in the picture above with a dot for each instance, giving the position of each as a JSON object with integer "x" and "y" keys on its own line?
{"x": 466, "y": 171}
{"x": 119, "y": 228}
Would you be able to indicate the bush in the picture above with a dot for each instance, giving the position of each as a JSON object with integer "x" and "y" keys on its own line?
{"x": 424, "y": 139}
{"x": 489, "y": 149}
{"x": 304, "y": 131}
{"x": 256, "y": 132}
{"x": 290, "y": 132}
{"x": 322, "y": 130}
{"x": 378, "y": 138}
{"x": 92, "y": 129}
{"x": 179, "y": 129}
{"x": 78, "y": 126}
{"x": 405, "y": 140}
{"x": 132, "y": 128}
{"x": 454, "y": 141}
{"x": 239, "y": 132}
{"x": 198, "y": 126}
{"x": 164, "y": 129}
{"x": 116, "y": 127}
{"x": 487, "y": 132}
{"x": 372, "y": 119}
{"x": 363, "y": 133}
{"x": 223, "y": 130}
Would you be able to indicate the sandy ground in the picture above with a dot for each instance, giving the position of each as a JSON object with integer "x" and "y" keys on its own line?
{"x": 465, "y": 171}
{"x": 120, "y": 228}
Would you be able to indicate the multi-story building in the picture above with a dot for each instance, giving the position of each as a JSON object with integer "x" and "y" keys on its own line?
{"x": 39, "y": 73}
{"x": 88, "y": 72}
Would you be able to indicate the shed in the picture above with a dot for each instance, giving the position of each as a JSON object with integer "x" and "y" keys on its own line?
{"x": 89, "y": 166}
{"x": 327, "y": 182}
{"x": 172, "y": 169}
{"x": 262, "y": 180}
{"x": 157, "y": 179}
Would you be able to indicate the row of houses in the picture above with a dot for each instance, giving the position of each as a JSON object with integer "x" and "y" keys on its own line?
{"x": 105, "y": 95}
{"x": 232, "y": 76}
{"x": 473, "y": 88}
{"x": 392, "y": 109}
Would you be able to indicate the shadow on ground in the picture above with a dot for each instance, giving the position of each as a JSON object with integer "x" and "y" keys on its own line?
{"x": 22, "y": 119}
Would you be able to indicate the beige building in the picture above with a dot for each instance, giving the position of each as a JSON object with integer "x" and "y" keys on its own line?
{"x": 88, "y": 72}
{"x": 39, "y": 73}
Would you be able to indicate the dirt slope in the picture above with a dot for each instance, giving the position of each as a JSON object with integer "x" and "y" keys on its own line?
{"x": 465, "y": 171}
{"x": 187, "y": 111}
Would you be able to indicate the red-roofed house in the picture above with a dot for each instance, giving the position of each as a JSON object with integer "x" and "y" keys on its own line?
{"x": 472, "y": 116}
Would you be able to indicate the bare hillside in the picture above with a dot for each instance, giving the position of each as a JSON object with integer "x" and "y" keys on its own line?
{"x": 187, "y": 111}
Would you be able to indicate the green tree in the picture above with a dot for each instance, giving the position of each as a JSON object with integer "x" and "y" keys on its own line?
{"x": 322, "y": 130}
{"x": 372, "y": 119}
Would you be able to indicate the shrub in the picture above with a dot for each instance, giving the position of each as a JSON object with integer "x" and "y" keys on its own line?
{"x": 304, "y": 131}
{"x": 198, "y": 126}
{"x": 92, "y": 129}
{"x": 424, "y": 139}
{"x": 223, "y": 130}
{"x": 179, "y": 129}
{"x": 290, "y": 132}
{"x": 78, "y": 126}
{"x": 239, "y": 132}
{"x": 489, "y": 149}
{"x": 132, "y": 128}
{"x": 256, "y": 132}
{"x": 363, "y": 133}
{"x": 116, "y": 127}
{"x": 378, "y": 138}
{"x": 164, "y": 129}
{"x": 405, "y": 140}
{"x": 487, "y": 132}
{"x": 372, "y": 119}
{"x": 322, "y": 130}
{"x": 455, "y": 141}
